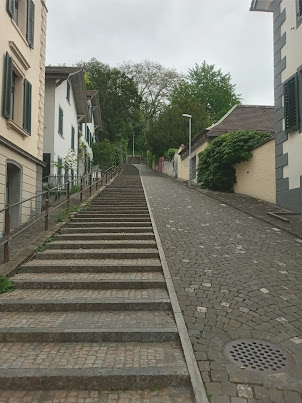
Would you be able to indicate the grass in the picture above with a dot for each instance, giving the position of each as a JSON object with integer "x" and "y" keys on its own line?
{"x": 65, "y": 214}
{"x": 41, "y": 248}
{"x": 6, "y": 285}
{"x": 154, "y": 389}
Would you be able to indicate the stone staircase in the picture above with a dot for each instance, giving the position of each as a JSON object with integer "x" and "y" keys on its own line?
{"x": 92, "y": 312}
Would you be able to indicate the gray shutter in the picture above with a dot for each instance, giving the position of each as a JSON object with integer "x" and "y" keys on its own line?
{"x": 300, "y": 8}
{"x": 61, "y": 120}
{"x": 11, "y": 7}
{"x": 27, "y": 106}
{"x": 72, "y": 137}
{"x": 291, "y": 106}
{"x": 30, "y": 31}
{"x": 8, "y": 83}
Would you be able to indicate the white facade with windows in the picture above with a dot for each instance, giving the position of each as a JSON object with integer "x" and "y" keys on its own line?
{"x": 66, "y": 109}
{"x": 287, "y": 15}
{"x": 22, "y": 87}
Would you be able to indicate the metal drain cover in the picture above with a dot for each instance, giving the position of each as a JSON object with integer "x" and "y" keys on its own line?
{"x": 258, "y": 355}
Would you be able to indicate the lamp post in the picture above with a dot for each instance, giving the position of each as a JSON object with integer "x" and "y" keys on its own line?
{"x": 190, "y": 130}
{"x": 133, "y": 147}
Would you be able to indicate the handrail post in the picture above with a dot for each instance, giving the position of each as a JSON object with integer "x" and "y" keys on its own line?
{"x": 106, "y": 174}
{"x": 90, "y": 180}
{"x": 7, "y": 234}
{"x": 46, "y": 210}
{"x": 96, "y": 180}
{"x": 68, "y": 194}
{"x": 81, "y": 194}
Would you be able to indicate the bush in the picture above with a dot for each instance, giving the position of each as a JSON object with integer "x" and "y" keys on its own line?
{"x": 215, "y": 168}
{"x": 149, "y": 158}
{"x": 75, "y": 189}
{"x": 169, "y": 155}
{"x": 6, "y": 285}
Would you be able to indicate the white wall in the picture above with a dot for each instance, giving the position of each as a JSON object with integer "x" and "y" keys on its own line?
{"x": 62, "y": 144}
{"x": 292, "y": 51}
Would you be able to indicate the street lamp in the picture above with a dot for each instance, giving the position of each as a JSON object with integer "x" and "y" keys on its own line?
{"x": 190, "y": 129}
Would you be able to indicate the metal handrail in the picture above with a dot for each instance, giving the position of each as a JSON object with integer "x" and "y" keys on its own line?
{"x": 109, "y": 174}
{"x": 49, "y": 190}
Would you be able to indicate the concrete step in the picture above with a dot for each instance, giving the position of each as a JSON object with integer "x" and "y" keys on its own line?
{"x": 117, "y": 254}
{"x": 64, "y": 300}
{"x": 169, "y": 394}
{"x": 90, "y": 266}
{"x": 106, "y": 224}
{"x": 114, "y": 366}
{"x": 110, "y": 212}
{"x": 112, "y": 218}
{"x": 104, "y": 236}
{"x": 117, "y": 280}
{"x": 101, "y": 244}
{"x": 92, "y": 327}
{"x": 107, "y": 230}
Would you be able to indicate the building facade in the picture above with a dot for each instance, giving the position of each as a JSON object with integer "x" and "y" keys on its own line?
{"x": 22, "y": 87}
{"x": 89, "y": 132}
{"x": 287, "y": 16}
{"x": 66, "y": 112}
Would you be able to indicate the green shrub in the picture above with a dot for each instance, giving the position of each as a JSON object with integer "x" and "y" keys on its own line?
{"x": 169, "y": 155}
{"x": 149, "y": 158}
{"x": 215, "y": 168}
{"x": 75, "y": 189}
{"x": 6, "y": 285}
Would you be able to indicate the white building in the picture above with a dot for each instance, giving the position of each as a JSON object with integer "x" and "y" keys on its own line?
{"x": 66, "y": 110}
{"x": 287, "y": 15}
{"x": 89, "y": 132}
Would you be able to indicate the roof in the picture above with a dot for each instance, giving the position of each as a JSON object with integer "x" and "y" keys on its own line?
{"x": 263, "y": 5}
{"x": 240, "y": 117}
{"x": 76, "y": 78}
{"x": 93, "y": 95}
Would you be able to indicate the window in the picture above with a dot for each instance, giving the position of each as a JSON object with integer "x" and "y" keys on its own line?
{"x": 61, "y": 115}
{"x": 23, "y": 13}
{"x": 68, "y": 91}
{"x": 72, "y": 137}
{"x": 17, "y": 97}
{"x": 291, "y": 104}
{"x": 299, "y": 12}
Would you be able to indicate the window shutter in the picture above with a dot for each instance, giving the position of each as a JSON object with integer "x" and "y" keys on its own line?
{"x": 30, "y": 31}
{"x": 291, "y": 107}
{"x": 68, "y": 91}
{"x": 300, "y": 9}
{"x": 8, "y": 83}
{"x": 11, "y": 7}
{"x": 72, "y": 137}
{"x": 60, "y": 120}
{"x": 27, "y": 106}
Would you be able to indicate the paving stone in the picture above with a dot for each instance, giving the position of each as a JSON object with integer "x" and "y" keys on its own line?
{"x": 238, "y": 400}
{"x": 220, "y": 399}
{"x": 235, "y": 305}
{"x": 261, "y": 392}
{"x": 228, "y": 389}
{"x": 219, "y": 376}
{"x": 276, "y": 395}
{"x": 213, "y": 388}
{"x": 292, "y": 397}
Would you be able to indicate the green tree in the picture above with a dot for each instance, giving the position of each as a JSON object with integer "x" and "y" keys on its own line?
{"x": 207, "y": 86}
{"x": 215, "y": 167}
{"x": 170, "y": 130}
{"x": 155, "y": 84}
{"x": 119, "y": 99}
{"x": 106, "y": 155}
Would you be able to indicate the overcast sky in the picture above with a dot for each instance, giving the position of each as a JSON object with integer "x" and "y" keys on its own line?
{"x": 175, "y": 33}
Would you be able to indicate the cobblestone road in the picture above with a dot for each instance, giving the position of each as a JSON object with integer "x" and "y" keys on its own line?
{"x": 235, "y": 277}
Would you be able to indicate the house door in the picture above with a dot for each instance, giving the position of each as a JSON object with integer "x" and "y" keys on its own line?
{"x": 193, "y": 165}
{"x": 13, "y": 191}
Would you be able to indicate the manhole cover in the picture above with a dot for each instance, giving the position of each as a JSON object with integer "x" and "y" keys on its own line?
{"x": 258, "y": 355}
